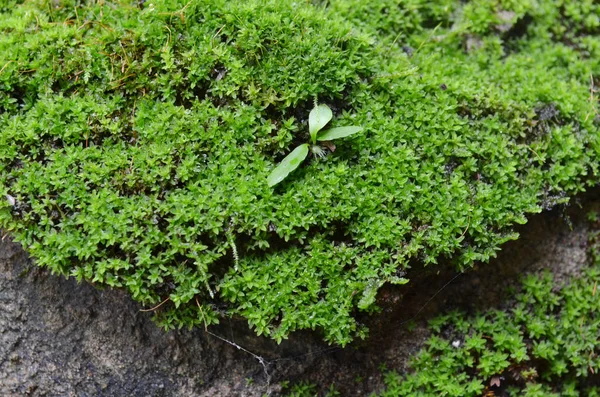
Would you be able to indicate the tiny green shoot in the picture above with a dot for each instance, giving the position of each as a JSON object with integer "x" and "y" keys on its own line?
{"x": 318, "y": 118}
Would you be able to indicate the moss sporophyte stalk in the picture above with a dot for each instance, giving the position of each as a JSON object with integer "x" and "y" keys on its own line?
{"x": 139, "y": 144}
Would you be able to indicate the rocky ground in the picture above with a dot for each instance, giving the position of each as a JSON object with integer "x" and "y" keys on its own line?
{"x": 60, "y": 338}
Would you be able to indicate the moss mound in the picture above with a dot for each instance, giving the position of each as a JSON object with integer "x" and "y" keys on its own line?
{"x": 544, "y": 341}
{"x": 547, "y": 344}
{"x": 136, "y": 138}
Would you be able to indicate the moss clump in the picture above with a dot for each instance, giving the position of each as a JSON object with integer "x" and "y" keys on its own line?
{"x": 136, "y": 138}
{"x": 548, "y": 344}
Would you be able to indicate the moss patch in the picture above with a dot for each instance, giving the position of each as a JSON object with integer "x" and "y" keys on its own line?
{"x": 547, "y": 344}
{"x": 136, "y": 138}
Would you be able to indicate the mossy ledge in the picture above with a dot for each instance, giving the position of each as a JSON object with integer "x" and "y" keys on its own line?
{"x": 542, "y": 342}
{"x": 136, "y": 138}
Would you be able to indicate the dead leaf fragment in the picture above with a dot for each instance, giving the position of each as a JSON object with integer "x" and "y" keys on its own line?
{"x": 495, "y": 381}
{"x": 329, "y": 145}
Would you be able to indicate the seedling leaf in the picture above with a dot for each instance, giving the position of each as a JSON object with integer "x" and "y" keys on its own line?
{"x": 317, "y": 119}
{"x": 338, "y": 132}
{"x": 287, "y": 165}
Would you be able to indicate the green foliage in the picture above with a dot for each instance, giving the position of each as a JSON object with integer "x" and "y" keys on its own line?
{"x": 136, "y": 138}
{"x": 318, "y": 118}
{"x": 338, "y": 132}
{"x": 288, "y": 164}
{"x": 547, "y": 344}
{"x": 305, "y": 389}
{"x": 302, "y": 389}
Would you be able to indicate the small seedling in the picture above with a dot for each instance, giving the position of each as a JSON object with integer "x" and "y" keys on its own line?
{"x": 318, "y": 118}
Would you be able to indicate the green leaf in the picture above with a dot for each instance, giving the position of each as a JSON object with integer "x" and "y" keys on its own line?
{"x": 287, "y": 165}
{"x": 369, "y": 293}
{"x": 317, "y": 119}
{"x": 338, "y": 132}
{"x": 397, "y": 280}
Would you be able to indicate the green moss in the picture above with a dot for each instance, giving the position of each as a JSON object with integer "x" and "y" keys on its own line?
{"x": 304, "y": 389}
{"x": 547, "y": 344}
{"x": 135, "y": 142}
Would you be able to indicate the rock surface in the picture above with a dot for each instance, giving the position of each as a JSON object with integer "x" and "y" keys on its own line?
{"x": 60, "y": 338}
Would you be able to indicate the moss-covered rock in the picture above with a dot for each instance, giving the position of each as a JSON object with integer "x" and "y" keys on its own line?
{"x": 544, "y": 340}
{"x": 136, "y": 138}
{"x": 546, "y": 344}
